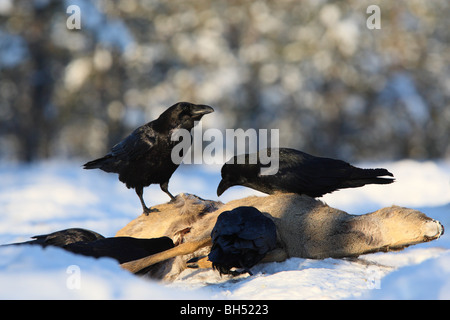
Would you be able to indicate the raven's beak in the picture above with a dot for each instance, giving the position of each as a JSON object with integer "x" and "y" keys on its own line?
{"x": 199, "y": 110}
{"x": 223, "y": 185}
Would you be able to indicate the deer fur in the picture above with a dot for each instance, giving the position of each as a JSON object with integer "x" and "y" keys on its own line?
{"x": 306, "y": 228}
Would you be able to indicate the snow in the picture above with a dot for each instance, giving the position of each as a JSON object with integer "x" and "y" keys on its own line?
{"x": 54, "y": 195}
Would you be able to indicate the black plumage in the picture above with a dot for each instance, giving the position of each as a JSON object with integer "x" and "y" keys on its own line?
{"x": 144, "y": 157}
{"x": 240, "y": 239}
{"x": 298, "y": 172}
{"x": 123, "y": 249}
{"x": 64, "y": 237}
{"x": 93, "y": 244}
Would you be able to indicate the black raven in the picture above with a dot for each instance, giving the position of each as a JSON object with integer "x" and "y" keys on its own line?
{"x": 92, "y": 244}
{"x": 240, "y": 239}
{"x": 122, "y": 249}
{"x": 298, "y": 172}
{"x": 144, "y": 157}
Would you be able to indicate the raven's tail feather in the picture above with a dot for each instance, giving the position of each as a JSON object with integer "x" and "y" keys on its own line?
{"x": 378, "y": 172}
{"x": 96, "y": 164}
{"x": 361, "y": 177}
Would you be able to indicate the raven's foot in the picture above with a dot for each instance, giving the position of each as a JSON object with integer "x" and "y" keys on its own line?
{"x": 149, "y": 210}
{"x": 174, "y": 199}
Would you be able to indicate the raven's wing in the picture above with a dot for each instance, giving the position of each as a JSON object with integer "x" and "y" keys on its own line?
{"x": 314, "y": 176}
{"x": 241, "y": 238}
{"x": 123, "y": 249}
{"x": 67, "y": 236}
{"x": 136, "y": 145}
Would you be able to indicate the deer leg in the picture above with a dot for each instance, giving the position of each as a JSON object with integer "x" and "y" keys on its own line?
{"x": 182, "y": 249}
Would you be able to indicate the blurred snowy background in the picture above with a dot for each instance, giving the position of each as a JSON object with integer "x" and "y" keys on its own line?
{"x": 309, "y": 68}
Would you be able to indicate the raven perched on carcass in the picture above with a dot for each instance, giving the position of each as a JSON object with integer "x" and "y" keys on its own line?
{"x": 144, "y": 157}
{"x": 298, "y": 172}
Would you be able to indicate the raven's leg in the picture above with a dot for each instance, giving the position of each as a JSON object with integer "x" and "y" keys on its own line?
{"x": 139, "y": 192}
{"x": 165, "y": 187}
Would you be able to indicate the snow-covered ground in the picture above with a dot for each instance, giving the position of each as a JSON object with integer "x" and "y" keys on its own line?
{"x": 55, "y": 195}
